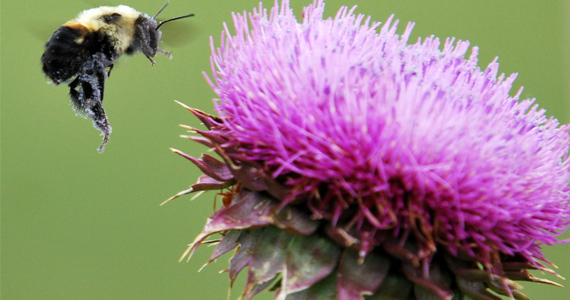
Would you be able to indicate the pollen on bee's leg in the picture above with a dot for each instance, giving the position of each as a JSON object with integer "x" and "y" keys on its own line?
{"x": 101, "y": 123}
{"x": 106, "y": 134}
{"x": 167, "y": 53}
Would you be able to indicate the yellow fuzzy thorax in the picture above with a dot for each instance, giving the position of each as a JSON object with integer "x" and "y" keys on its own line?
{"x": 121, "y": 32}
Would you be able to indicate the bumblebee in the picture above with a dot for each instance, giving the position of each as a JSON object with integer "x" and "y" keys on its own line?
{"x": 82, "y": 51}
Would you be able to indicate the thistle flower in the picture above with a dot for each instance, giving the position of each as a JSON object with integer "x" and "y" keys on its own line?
{"x": 355, "y": 163}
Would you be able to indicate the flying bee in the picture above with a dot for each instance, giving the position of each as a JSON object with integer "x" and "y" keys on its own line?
{"x": 82, "y": 51}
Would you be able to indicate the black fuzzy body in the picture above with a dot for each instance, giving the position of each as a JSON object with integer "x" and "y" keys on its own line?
{"x": 65, "y": 58}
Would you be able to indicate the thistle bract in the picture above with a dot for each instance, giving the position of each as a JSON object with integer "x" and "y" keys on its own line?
{"x": 369, "y": 165}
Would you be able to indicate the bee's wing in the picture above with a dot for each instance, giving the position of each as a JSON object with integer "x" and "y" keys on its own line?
{"x": 177, "y": 34}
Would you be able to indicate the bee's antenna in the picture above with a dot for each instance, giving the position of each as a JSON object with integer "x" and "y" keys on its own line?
{"x": 173, "y": 19}
{"x": 165, "y": 5}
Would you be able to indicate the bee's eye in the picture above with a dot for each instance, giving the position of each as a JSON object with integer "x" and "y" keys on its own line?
{"x": 112, "y": 18}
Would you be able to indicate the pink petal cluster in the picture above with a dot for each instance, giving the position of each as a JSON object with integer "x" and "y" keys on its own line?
{"x": 374, "y": 131}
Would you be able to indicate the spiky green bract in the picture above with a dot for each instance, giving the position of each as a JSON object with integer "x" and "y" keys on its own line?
{"x": 342, "y": 141}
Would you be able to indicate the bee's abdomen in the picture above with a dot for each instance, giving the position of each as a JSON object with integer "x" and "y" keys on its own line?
{"x": 64, "y": 54}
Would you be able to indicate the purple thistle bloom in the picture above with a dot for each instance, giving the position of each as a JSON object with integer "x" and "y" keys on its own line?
{"x": 385, "y": 144}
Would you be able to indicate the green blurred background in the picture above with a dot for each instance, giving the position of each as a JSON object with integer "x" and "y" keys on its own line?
{"x": 80, "y": 225}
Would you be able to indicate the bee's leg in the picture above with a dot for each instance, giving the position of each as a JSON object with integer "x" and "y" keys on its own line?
{"x": 87, "y": 91}
{"x": 76, "y": 93}
{"x": 151, "y": 60}
{"x": 167, "y": 53}
{"x": 110, "y": 69}
{"x": 99, "y": 118}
